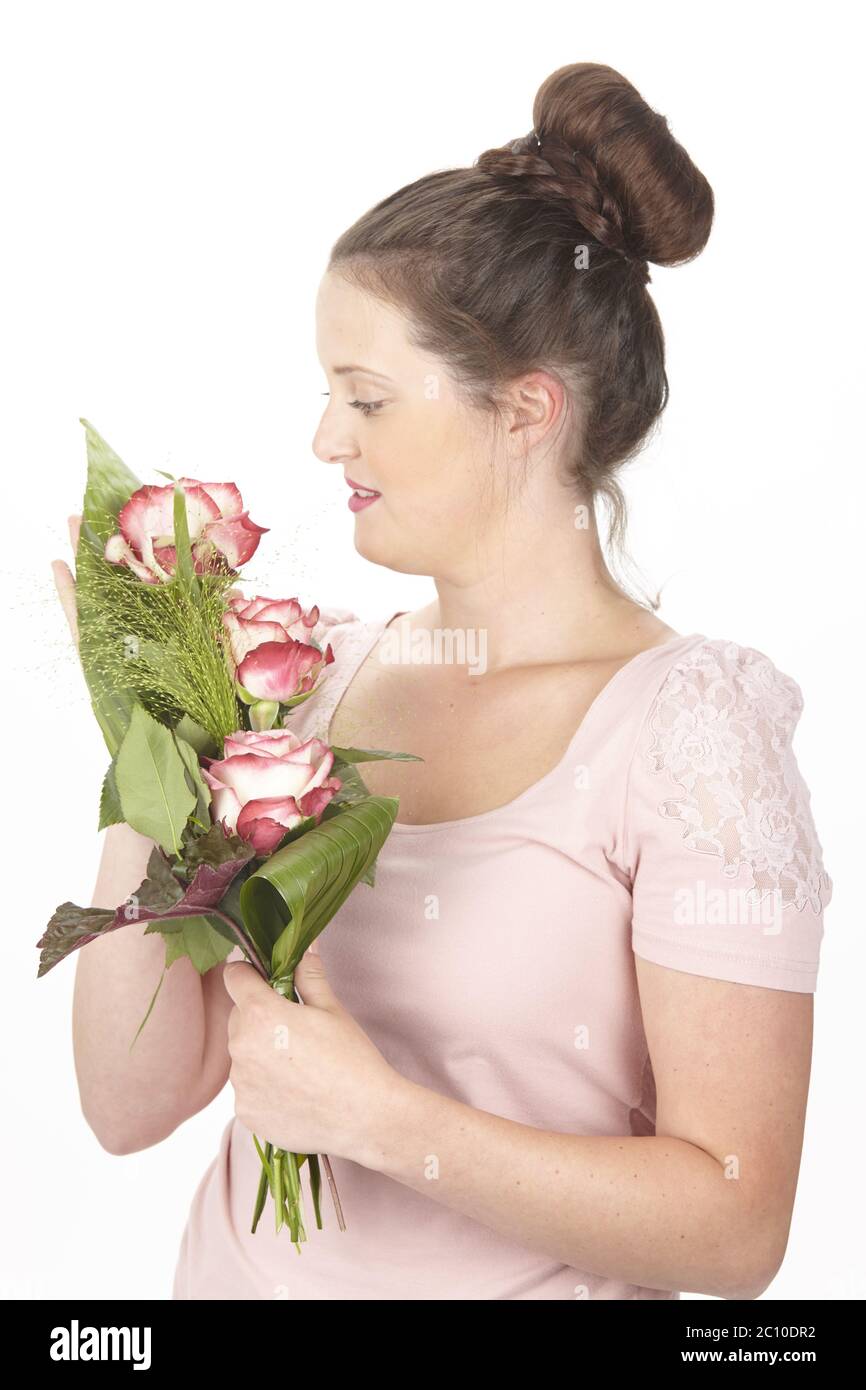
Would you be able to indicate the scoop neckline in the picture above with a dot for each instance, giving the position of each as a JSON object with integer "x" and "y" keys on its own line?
{"x": 375, "y": 627}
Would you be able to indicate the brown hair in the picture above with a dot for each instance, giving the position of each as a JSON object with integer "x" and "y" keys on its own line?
{"x": 481, "y": 261}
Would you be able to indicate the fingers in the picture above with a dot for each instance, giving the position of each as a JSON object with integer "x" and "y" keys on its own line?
{"x": 65, "y": 585}
{"x": 64, "y": 580}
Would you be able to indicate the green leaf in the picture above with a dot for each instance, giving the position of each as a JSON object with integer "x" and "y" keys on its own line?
{"x": 110, "y": 484}
{"x": 296, "y": 892}
{"x": 159, "y": 656}
{"x": 369, "y": 755}
{"x": 110, "y": 809}
{"x": 151, "y": 781}
{"x": 203, "y": 742}
{"x": 295, "y": 700}
{"x": 195, "y": 781}
{"x": 202, "y": 941}
{"x": 184, "y": 571}
{"x": 353, "y": 788}
{"x": 195, "y": 939}
{"x": 149, "y": 1009}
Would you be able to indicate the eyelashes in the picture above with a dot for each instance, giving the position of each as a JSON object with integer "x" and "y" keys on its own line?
{"x": 367, "y": 408}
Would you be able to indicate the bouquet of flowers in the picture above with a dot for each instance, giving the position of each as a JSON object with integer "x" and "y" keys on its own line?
{"x": 259, "y": 836}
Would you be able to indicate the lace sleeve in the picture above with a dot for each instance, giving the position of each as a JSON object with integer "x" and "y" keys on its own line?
{"x": 726, "y": 865}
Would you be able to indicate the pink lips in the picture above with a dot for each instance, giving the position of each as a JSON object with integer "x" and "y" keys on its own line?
{"x": 356, "y": 503}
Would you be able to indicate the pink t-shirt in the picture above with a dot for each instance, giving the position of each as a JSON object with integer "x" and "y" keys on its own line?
{"x": 493, "y": 961}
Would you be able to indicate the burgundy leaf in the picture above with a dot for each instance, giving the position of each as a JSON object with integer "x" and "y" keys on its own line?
{"x": 160, "y": 896}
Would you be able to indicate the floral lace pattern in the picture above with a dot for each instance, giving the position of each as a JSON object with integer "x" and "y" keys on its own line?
{"x": 722, "y": 724}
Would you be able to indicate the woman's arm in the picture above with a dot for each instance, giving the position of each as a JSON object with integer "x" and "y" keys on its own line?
{"x": 180, "y": 1060}
{"x": 703, "y": 1206}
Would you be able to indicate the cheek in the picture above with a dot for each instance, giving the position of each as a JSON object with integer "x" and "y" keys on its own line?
{"x": 448, "y": 459}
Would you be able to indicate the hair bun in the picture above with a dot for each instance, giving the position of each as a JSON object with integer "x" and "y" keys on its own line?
{"x": 598, "y": 146}
{"x": 576, "y": 180}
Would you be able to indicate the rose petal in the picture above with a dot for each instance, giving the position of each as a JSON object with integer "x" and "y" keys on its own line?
{"x": 252, "y": 776}
{"x": 313, "y": 803}
{"x": 246, "y": 635}
{"x": 225, "y": 805}
{"x": 119, "y": 552}
{"x": 150, "y": 513}
{"x": 275, "y": 743}
{"x": 238, "y": 538}
{"x": 289, "y": 613}
{"x": 279, "y": 670}
{"x": 226, "y": 496}
{"x": 264, "y": 822}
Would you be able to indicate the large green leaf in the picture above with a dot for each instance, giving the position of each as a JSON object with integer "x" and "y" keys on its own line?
{"x": 296, "y": 892}
{"x": 110, "y": 484}
{"x": 151, "y": 779}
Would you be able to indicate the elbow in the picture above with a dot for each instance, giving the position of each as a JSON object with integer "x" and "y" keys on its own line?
{"x": 120, "y": 1140}
{"x": 118, "y": 1135}
{"x": 754, "y": 1265}
{"x": 120, "y": 1145}
{"x": 741, "y": 1290}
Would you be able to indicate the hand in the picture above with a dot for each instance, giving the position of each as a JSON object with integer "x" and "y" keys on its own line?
{"x": 64, "y": 580}
{"x": 306, "y": 1076}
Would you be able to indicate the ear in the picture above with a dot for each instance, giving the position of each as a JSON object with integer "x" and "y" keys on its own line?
{"x": 538, "y": 401}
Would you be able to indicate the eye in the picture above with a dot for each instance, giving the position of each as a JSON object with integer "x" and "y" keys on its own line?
{"x": 367, "y": 407}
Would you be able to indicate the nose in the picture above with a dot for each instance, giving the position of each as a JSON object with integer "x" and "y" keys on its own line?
{"x": 331, "y": 444}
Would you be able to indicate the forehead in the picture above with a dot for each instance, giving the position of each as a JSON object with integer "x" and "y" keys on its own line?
{"x": 352, "y": 326}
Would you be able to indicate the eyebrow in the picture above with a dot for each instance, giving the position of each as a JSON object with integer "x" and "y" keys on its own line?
{"x": 343, "y": 371}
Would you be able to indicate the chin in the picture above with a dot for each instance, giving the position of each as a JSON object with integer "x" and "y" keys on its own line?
{"x": 371, "y": 548}
{"x": 380, "y": 553}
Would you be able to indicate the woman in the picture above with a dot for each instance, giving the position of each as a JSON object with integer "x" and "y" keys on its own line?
{"x": 562, "y": 1048}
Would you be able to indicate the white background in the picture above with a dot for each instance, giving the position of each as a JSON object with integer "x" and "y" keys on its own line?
{"x": 174, "y": 176}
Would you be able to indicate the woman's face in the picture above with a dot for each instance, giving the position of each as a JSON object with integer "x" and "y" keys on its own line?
{"x": 404, "y": 434}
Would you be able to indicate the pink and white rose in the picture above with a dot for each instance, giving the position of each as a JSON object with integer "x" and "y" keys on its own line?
{"x": 266, "y": 783}
{"x": 222, "y": 536}
{"x": 274, "y": 651}
{"x": 250, "y": 622}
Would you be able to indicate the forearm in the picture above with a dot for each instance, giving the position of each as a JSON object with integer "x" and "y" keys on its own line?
{"x": 133, "y": 1097}
{"x": 653, "y": 1211}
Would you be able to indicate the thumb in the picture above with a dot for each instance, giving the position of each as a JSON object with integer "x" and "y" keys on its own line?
{"x": 242, "y": 980}
{"x": 311, "y": 980}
